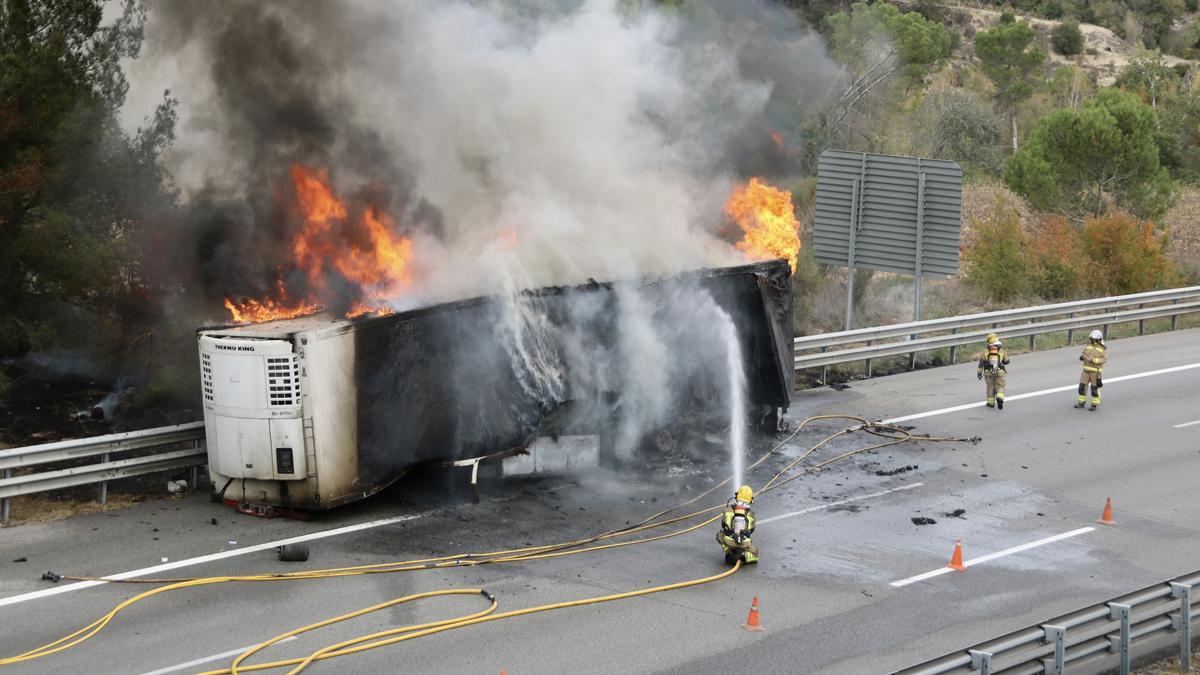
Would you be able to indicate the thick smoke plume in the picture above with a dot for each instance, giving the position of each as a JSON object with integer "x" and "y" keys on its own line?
{"x": 517, "y": 144}
{"x": 601, "y": 136}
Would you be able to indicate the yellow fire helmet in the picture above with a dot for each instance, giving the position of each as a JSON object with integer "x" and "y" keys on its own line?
{"x": 745, "y": 494}
{"x": 992, "y": 338}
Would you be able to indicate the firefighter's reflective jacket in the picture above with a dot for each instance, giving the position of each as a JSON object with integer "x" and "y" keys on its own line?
{"x": 730, "y": 514}
{"x": 994, "y": 361}
{"x": 1094, "y": 357}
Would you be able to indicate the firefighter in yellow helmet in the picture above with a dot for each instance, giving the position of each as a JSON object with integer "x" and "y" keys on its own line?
{"x": 1094, "y": 356}
{"x": 737, "y": 524}
{"x": 993, "y": 367}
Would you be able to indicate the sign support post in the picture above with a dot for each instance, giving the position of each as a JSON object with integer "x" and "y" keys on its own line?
{"x": 920, "y": 273}
{"x": 850, "y": 255}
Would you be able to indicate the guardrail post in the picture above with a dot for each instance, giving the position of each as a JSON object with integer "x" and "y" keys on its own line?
{"x": 1174, "y": 317}
{"x": 1058, "y": 636}
{"x": 1183, "y": 623}
{"x": 953, "y": 348}
{"x": 104, "y": 483}
{"x": 4, "y": 501}
{"x": 824, "y": 370}
{"x": 1141, "y": 323}
{"x": 1070, "y": 331}
{"x": 1104, "y": 331}
{"x": 1031, "y": 338}
{"x": 1120, "y": 612}
{"x": 195, "y": 484}
{"x": 868, "y": 364}
{"x": 981, "y": 661}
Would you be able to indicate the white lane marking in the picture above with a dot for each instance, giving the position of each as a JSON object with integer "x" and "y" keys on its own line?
{"x": 992, "y": 556}
{"x": 1055, "y": 390}
{"x": 145, "y": 571}
{"x": 209, "y": 659}
{"x": 1187, "y": 424}
{"x": 838, "y": 503}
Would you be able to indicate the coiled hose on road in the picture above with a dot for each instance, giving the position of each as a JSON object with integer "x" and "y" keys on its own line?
{"x": 893, "y": 434}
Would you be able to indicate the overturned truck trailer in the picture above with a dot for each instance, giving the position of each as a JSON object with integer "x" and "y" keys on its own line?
{"x": 315, "y": 412}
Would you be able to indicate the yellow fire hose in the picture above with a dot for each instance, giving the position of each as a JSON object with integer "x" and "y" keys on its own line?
{"x": 394, "y": 635}
{"x": 893, "y": 434}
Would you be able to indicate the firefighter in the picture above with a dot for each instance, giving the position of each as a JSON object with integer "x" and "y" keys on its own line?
{"x": 737, "y": 524}
{"x": 1094, "y": 355}
{"x": 992, "y": 366}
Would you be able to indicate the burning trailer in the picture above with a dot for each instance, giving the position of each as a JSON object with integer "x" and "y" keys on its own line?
{"x": 316, "y": 411}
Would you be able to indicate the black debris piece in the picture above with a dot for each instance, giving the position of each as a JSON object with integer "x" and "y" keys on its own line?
{"x": 922, "y": 520}
{"x": 292, "y": 552}
{"x": 893, "y": 472}
{"x": 212, "y": 521}
{"x": 838, "y": 386}
{"x": 21, "y": 559}
{"x": 956, "y": 513}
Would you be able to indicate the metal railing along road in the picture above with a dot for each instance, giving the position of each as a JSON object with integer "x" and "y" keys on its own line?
{"x": 1108, "y": 630}
{"x": 174, "y": 447}
{"x": 864, "y": 344}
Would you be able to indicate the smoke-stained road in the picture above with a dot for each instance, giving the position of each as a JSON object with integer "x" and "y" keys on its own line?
{"x": 833, "y": 545}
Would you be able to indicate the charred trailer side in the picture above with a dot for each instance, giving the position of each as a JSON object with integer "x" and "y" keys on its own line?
{"x": 316, "y": 412}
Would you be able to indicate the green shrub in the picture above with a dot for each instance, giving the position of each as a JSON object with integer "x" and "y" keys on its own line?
{"x": 1050, "y": 10}
{"x": 995, "y": 258}
{"x": 1066, "y": 38}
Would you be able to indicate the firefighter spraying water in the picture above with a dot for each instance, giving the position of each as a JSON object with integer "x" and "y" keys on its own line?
{"x": 737, "y": 524}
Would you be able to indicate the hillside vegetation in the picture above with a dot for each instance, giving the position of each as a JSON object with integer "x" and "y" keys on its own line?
{"x": 1077, "y": 125}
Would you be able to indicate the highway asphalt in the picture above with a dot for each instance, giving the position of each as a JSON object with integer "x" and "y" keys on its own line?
{"x": 833, "y": 544}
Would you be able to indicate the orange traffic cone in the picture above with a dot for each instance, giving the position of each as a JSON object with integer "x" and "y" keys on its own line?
{"x": 1106, "y": 517}
{"x": 752, "y": 622}
{"x": 956, "y": 562}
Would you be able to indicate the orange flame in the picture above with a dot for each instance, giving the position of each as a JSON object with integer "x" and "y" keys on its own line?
{"x": 363, "y": 248}
{"x": 257, "y": 311}
{"x": 768, "y": 222}
{"x": 362, "y": 309}
{"x": 777, "y": 139}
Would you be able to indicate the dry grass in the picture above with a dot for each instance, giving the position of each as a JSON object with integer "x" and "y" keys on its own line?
{"x": 1169, "y": 666}
{"x": 45, "y": 509}
{"x": 1183, "y": 221}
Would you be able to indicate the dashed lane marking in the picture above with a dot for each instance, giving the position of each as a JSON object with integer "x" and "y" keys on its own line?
{"x": 208, "y": 659}
{"x": 992, "y": 556}
{"x": 146, "y": 571}
{"x": 1055, "y": 390}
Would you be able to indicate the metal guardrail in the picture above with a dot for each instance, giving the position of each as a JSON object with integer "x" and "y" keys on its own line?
{"x": 864, "y": 344}
{"x": 167, "y": 440}
{"x": 1087, "y": 635}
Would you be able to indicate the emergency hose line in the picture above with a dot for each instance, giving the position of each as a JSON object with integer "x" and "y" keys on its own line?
{"x": 893, "y": 434}
{"x": 411, "y": 632}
